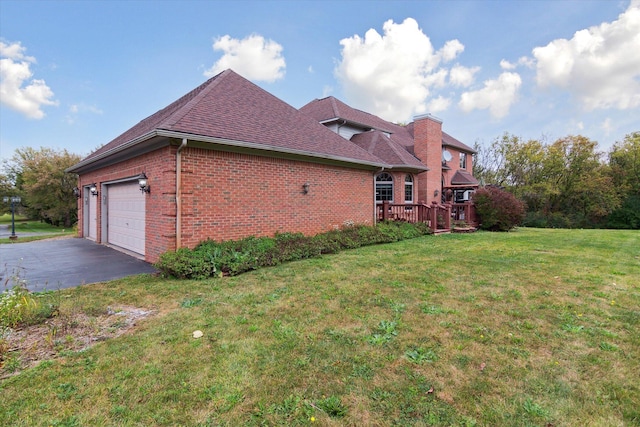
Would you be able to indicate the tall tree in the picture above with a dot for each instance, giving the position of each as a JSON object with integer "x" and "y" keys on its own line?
{"x": 47, "y": 191}
{"x": 624, "y": 161}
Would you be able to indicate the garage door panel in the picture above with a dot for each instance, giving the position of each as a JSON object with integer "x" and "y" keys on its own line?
{"x": 126, "y": 216}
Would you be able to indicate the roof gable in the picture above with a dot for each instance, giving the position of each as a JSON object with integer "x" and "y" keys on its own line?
{"x": 331, "y": 108}
{"x": 231, "y": 108}
{"x": 462, "y": 177}
{"x": 380, "y": 145}
{"x": 448, "y": 140}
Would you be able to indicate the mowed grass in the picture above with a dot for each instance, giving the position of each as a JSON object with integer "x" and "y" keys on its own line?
{"x": 528, "y": 328}
{"x": 22, "y": 225}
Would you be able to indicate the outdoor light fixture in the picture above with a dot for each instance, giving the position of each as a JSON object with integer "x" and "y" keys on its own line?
{"x": 435, "y": 193}
{"x": 144, "y": 183}
{"x": 76, "y": 192}
{"x": 93, "y": 189}
{"x": 13, "y": 200}
{"x": 305, "y": 188}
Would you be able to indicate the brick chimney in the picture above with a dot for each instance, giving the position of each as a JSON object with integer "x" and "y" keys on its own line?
{"x": 427, "y": 140}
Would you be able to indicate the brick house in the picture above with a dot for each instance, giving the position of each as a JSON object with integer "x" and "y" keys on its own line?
{"x": 446, "y": 162}
{"x": 229, "y": 160}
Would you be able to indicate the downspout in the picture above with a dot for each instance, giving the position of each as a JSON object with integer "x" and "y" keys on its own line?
{"x": 375, "y": 203}
{"x": 179, "y": 194}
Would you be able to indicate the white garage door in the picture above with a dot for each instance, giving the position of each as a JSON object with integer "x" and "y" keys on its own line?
{"x": 92, "y": 211}
{"x": 125, "y": 218}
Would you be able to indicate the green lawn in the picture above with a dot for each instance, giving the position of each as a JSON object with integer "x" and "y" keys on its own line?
{"x": 22, "y": 225}
{"x": 528, "y": 328}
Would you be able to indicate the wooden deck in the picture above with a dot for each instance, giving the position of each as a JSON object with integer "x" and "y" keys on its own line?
{"x": 458, "y": 217}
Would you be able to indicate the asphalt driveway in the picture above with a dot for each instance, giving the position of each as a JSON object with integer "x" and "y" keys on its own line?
{"x": 65, "y": 263}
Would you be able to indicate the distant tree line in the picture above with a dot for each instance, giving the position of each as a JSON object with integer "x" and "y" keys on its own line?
{"x": 567, "y": 183}
{"x": 46, "y": 191}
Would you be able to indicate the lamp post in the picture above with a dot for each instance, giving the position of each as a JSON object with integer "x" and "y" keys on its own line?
{"x": 13, "y": 200}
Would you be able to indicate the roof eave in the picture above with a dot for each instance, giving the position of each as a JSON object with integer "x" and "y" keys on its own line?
{"x": 465, "y": 149}
{"x": 357, "y": 124}
{"x": 127, "y": 145}
{"x": 408, "y": 168}
{"x": 266, "y": 147}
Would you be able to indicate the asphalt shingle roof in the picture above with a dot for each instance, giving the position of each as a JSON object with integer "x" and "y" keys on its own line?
{"x": 331, "y": 109}
{"x": 380, "y": 145}
{"x": 462, "y": 177}
{"x": 448, "y": 140}
{"x": 229, "y": 107}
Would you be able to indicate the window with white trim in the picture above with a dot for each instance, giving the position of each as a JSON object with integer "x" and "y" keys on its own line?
{"x": 384, "y": 187}
{"x": 463, "y": 160}
{"x": 408, "y": 189}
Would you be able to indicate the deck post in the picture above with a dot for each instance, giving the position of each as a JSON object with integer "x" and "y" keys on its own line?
{"x": 385, "y": 210}
{"x": 447, "y": 215}
{"x": 434, "y": 216}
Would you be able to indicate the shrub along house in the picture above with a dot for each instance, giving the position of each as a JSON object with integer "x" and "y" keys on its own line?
{"x": 229, "y": 160}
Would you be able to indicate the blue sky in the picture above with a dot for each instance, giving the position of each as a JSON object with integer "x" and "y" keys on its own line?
{"x": 76, "y": 74}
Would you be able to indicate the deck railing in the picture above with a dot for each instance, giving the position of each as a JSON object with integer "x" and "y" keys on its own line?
{"x": 438, "y": 217}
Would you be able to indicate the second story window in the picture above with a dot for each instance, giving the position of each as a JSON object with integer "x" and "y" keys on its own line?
{"x": 463, "y": 160}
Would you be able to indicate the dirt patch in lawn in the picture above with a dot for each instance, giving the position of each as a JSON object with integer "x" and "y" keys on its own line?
{"x": 27, "y": 346}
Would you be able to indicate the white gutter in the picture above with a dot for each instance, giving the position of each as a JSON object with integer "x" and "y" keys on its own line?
{"x": 265, "y": 147}
{"x": 179, "y": 194}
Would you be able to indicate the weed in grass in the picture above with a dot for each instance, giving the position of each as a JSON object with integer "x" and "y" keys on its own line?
{"x": 11, "y": 363}
{"x": 65, "y": 391}
{"x": 605, "y": 346}
{"x": 420, "y": 355}
{"x": 570, "y": 327}
{"x": 362, "y": 370}
{"x": 190, "y": 302}
{"x": 71, "y": 421}
{"x": 287, "y": 408}
{"x": 434, "y": 309}
{"x": 332, "y": 406}
{"x": 385, "y": 332}
{"x": 534, "y": 409}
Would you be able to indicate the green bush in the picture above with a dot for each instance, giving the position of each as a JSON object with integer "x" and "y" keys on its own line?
{"x": 498, "y": 209}
{"x": 211, "y": 259}
{"x": 626, "y": 216}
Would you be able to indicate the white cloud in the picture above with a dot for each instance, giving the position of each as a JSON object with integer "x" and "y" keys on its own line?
{"x": 76, "y": 109}
{"x": 437, "y": 104}
{"x": 253, "y": 57}
{"x": 18, "y": 90}
{"x": 506, "y": 65}
{"x": 497, "y": 95}
{"x": 393, "y": 74}
{"x": 462, "y": 76}
{"x": 599, "y": 65}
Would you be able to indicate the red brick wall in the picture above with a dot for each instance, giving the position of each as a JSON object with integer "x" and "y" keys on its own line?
{"x": 159, "y": 166}
{"x": 454, "y": 164}
{"x": 230, "y": 196}
{"x": 428, "y": 148}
